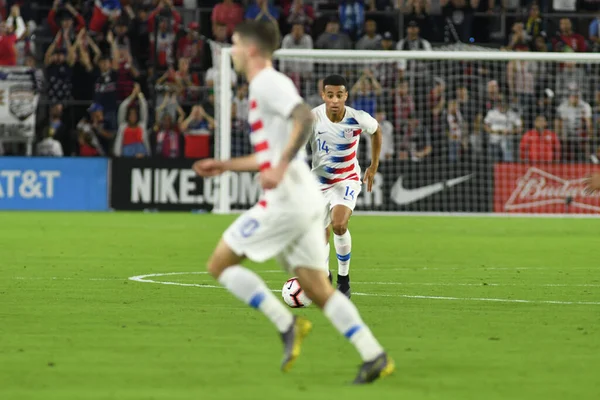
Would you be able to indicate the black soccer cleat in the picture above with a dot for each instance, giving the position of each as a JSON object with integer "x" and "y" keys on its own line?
{"x": 343, "y": 285}
{"x": 292, "y": 341}
{"x": 370, "y": 371}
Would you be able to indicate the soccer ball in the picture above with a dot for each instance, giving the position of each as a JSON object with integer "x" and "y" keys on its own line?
{"x": 293, "y": 295}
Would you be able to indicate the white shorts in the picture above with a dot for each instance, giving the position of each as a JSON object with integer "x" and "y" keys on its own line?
{"x": 293, "y": 238}
{"x": 342, "y": 193}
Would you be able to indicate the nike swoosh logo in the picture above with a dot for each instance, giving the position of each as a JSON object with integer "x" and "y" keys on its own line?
{"x": 320, "y": 133}
{"x": 400, "y": 195}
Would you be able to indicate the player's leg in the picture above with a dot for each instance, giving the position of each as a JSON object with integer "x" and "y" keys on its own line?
{"x": 328, "y": 250}
{"x": 224, "y": 265}
{"x": 343, "y": 201}
{"x": 340, "y": 216}
{"x": 304, "y": 259}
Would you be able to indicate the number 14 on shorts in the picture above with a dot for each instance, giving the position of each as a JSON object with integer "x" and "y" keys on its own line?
{"x": 349, "y": 194}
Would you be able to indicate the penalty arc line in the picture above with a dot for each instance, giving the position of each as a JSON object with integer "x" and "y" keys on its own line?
{"x": 144, "y": 279}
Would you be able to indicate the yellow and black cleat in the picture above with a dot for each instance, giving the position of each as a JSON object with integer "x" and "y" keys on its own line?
{"x": 292, "y": 341}
{"x": 370, "y": 371}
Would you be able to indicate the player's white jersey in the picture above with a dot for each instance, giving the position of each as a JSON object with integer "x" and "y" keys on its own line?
{"x": 272, "y": 98}
{"x": 335, "y": 145}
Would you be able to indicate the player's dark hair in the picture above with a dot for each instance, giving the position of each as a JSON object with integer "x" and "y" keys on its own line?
{"x": 335, "y": 80}
{"x": 264, "y": 34}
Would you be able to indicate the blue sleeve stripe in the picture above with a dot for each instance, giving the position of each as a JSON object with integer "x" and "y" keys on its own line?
{"x": 257, "y": 299}
{"x": 344, "y": 257}
{"x": 350, "y": 332}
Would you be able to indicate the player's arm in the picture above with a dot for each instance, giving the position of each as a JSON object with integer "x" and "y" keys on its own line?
{"x": 211, "y": 167}
{"x": 376, "y": 140}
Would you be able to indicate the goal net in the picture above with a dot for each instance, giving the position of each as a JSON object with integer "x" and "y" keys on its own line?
{"x": 463, "y": 131}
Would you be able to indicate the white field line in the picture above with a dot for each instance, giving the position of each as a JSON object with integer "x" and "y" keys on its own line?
{"x": 147, "y": 279}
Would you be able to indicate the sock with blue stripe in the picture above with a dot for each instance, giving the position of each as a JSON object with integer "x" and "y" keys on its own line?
{"x": 345, "y": 318}
{"x": 343, "y": 247}
{"x": 249, "y": 288}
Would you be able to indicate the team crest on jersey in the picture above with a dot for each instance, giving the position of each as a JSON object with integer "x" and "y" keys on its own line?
{"x": 348, "y": 133}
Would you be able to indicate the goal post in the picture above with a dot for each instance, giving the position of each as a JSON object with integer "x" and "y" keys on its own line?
{"x": 476, "y": 131}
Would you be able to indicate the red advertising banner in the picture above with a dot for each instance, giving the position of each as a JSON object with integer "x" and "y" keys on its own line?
{"x": 544, "y": 188}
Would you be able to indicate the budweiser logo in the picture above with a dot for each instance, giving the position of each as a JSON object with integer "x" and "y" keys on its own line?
{"x": 539, "y": 188}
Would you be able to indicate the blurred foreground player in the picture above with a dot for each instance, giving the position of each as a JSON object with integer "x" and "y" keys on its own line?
{"x": 336, "y": 134}
{"x": 286, "y": 223}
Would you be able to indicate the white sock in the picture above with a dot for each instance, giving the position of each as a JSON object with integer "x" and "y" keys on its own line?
{"x": 328, "y": 251}
{"x": 249, "y": 288}
{"x": 343, "y": 247}
{"x": 346, "y": 319}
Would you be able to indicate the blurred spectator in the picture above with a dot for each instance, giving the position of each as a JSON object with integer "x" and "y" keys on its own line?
{"x": 596, "y": 114}
{"x": 415, "y": 141}
{"x": 227, "y": 13}
{"x": 220, "y": 33}
{"x": 66, "y": 19}
{"x": 121, "y": 32}
{"x": 84, "y": 73}
{"x": 169, "y": 106}
{"x": 55, "y": 128}
{"x": 316, "y": 99}
{"x": 540, "y": 44}
{"x": 387, "y": 42}
{"x": 332, "y": 38}
{"x": 126, "y": 74}
{"x": 140, "y": 37}
{"x": 299, "y": 13}
{"x": 412, "y": 42}
{"x": 213, "y": 74}
{"x": 534, "y": 26}
{"x": 539, "y": 144}
{"x": 365, "y": 92}
{"x": 192, "y": 47}
{"x": 169, "y": 142}
{"x": 489, "y": 103}
{"x": 460, "y": 14}
{"x": 162, "y": 43}
{"x": 457, "y": 133}
{"x": 184, "y": 82}
{"x": 594, "y": 33}
{"x": 262, "y": 11}
{"x": 297, "y": 39}
{"x": 9, "y": 37}
{"x": 568, "y": 41}
{"x": 467, "y": 105}
{"x": 59, "y": 70}
{"x": 25, "y": 47}
{"x": 501, "y": 124}
{"x": 104, "y": 11}
{"x": 240, "y": 108}
{"x": 436, "y": 103}
{"x": 132, "y": 136}
{"x": 93, "y": 137}
{"x": 352, "y": 17}
{"x": 571, "y": 77}
{"x": 418, "y": 11}
{"x": 197, "y": 128}
{"x": 404, "y": 105}
{"x": 105, "y": 90}
{"x": 521, "y": 78}
{"x": 49, "y": 147}
{"x": 574, "y": 126}
{"x": 37, "y": 73}
{"x": 371, "y": 40}
{"x": 519, "y": 37}
{"x": 387, "y": 136}
{"x": 209, "y": 104}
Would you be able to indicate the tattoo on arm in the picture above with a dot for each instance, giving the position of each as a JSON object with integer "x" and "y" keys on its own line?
{"x": 303, "y": 120}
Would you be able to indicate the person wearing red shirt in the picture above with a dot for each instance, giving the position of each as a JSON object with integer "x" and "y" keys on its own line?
{"x": 167, "y": 6}
{"x": 227, "y": 13}
{"x": 8, "y": 37}
{"x": 66, "y": 22}
{"x": 540, "y": 144}
{"x": 192, "y": 46}
{"x": 567, "y": 40}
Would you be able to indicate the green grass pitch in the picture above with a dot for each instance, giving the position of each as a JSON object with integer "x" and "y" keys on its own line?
{"x": 442, "y": 294}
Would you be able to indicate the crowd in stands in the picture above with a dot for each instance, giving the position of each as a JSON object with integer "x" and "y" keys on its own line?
{"x": 135, "y": 78}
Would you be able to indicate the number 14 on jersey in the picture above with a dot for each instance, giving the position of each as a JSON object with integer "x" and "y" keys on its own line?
{"x": 322, "y": 145}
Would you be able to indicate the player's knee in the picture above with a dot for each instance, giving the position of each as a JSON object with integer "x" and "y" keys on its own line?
{"x": 339, "y": 228}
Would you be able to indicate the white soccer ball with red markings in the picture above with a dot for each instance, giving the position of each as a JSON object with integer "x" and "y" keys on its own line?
{"x": 293, "y": 295}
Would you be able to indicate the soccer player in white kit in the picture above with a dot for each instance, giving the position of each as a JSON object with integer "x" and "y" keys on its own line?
{"x": 336, "y": 134}
{"x": 286, "y": 223}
